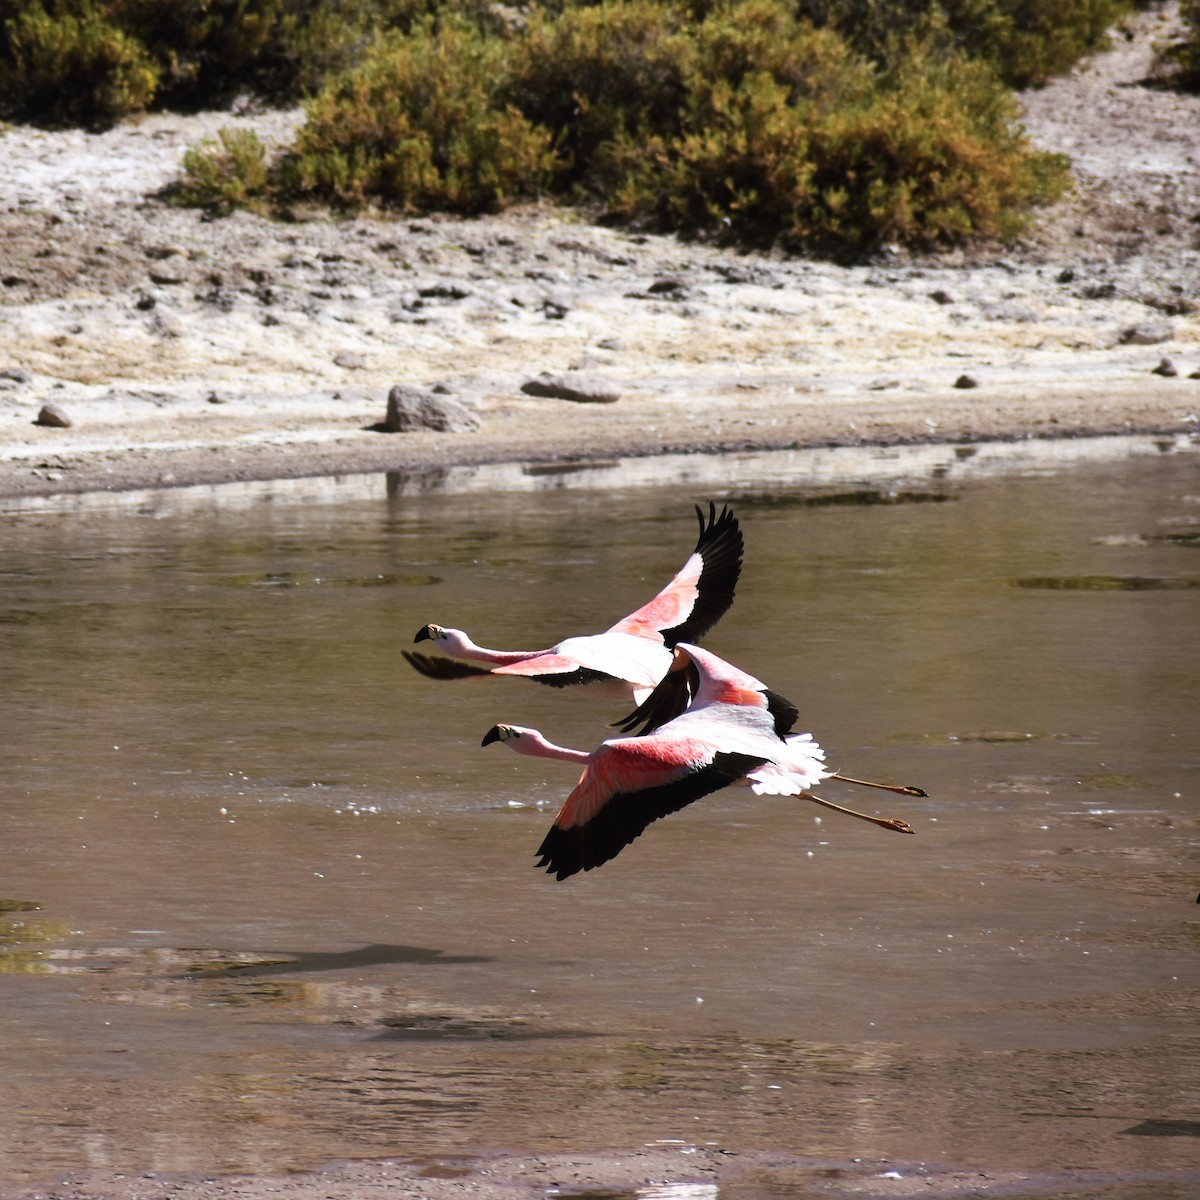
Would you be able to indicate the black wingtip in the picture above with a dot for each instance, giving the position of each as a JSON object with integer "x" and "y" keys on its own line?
{"x": 675, "y": 691}
{"x": 721, "y": 546}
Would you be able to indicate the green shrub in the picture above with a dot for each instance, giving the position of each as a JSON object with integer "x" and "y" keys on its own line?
{"x": 92, "y": 62}
{"x": 601, "y": 72}
{"x": 759, "y": 86}
{"x": 421, "y": 124}
{"x": 207, "y": 51}
{"x": 285, "y": 50}
{"x": 935, "y": 156}
{"x": 786, "y": 131}
{"x": 62, "y": 63}
{"x": 1025, "y": 41}
{"x": 226, "y": 172}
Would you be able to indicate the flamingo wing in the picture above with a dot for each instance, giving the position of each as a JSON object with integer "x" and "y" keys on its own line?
{"x": 671, "y": 696}
{"x": 699, "y": 678}
{"x": 701, "y": 591}
{"x": 623, "y": 790}
{"x": 555, "y": 670}
{"x": 434, "y": 667}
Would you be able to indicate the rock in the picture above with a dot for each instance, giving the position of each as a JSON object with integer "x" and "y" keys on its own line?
{"x": 443, "y": 291}
{"x": 741, "y": 273}
{"x": 411, "y": 410}
{"x": 1149, "y": 333}
{"x": 583, "y": 389}
{"x": 669, "y": 285}
{"x": 53, "y": 417}
{"x": 941, "y": 296}
{"x": 348, "y": 360}
{"x": 16, "y": 375}
{"x": 966, "y": 381}
{"x": 1166, "y": 368}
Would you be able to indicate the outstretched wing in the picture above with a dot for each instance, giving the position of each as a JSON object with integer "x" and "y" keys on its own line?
{"x": 596, "y": 824}
{"x": 441, "y": 668}
{"x": 702, "y": 590}
{"x": 555, "y": 670}
{"x": 672, "y": 695}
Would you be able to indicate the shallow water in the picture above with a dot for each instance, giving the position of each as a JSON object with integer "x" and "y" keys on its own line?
{"x": 266, "y": 900}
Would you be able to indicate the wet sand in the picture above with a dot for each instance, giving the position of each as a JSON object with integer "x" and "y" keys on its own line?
{"x": 679, "y": 1172}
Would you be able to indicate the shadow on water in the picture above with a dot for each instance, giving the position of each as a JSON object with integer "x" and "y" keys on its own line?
{"x": 212, "y": 741}
{"x": 303, "y": 962}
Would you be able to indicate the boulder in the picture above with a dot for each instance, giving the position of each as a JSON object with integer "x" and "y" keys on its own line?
{"x": 412, "y": 410}
{"x": 576, "y": 386}
{"x": 53, "y": 416}
{"x": 1149, "y": 333}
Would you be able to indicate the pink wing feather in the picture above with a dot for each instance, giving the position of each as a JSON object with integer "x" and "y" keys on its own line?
{"x": 701, "y": 590}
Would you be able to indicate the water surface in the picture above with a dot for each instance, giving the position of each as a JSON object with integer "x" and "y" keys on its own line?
{"x": 266, "y": 901}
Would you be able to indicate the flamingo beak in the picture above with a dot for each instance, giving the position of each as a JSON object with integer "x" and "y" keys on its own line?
{"x": 492, "y": 735}
{"x": 423, "y": 634}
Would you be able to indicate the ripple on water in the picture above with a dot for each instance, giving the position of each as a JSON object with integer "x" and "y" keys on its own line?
{"x": 1106, "y": 583}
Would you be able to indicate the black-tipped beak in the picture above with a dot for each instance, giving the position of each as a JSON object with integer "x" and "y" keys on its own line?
{"x": 492, "y": 735}
{"x": 423, "y": 634}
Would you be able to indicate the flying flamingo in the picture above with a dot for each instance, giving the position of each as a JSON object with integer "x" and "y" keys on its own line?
{"x": 735, "y": 730}
{"x": 636, "y": 651}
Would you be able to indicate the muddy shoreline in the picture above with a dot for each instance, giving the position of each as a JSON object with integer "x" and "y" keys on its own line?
{"x": 652, "y": 1172}
{"x": 583, "y": 439}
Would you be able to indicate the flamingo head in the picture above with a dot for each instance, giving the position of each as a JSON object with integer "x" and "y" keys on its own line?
{"x": 500, "y": 733}
{"x": 429, "y": 633}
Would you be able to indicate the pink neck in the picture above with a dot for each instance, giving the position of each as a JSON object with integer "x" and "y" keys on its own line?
{"x": 532, "y": 743}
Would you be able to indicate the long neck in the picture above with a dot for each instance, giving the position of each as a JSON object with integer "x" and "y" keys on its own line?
{"x": 458, "y": 644}
{"x": 532, "y": 743}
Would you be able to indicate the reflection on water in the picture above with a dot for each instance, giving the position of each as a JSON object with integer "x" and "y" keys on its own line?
{"x": 268, "y": 901}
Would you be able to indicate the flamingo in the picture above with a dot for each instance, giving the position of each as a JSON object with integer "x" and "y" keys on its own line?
{"x": 735, "y": 730}
{"x": 636, "y": 652}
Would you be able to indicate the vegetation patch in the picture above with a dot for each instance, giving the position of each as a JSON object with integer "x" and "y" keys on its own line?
{"x": 832, "y": 124}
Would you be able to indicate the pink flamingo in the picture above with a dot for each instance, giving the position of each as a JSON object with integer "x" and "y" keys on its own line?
{"x": 735, "y": 730}
{"x": 636, "y": 651}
